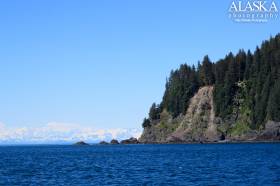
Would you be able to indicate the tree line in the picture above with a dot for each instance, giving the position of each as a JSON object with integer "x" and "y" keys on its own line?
{"x": 258, "y": 72}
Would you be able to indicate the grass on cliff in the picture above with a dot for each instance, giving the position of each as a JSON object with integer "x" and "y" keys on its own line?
{"x": 168, "y": 127}
{"x": 239, "y": 129}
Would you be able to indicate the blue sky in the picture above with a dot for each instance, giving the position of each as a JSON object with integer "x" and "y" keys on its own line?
{"x": 103, "y": 63}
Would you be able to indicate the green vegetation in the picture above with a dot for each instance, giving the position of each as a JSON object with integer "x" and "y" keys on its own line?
{"x": 239, "y": 129}
{"x": 260, "y": 73}
{"x": 246, "y": 85}
{"x": 146, "y": 123}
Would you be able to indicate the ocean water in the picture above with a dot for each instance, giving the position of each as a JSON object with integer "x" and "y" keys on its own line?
{"x": 188, "y": 164}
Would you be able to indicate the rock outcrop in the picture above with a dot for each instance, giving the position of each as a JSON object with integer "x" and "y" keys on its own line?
{"x": 271, "y": 132}
{"x": 130, "y": 141}
{"x": 160, "y": 130}
{"x": 81, "y": 143}
{"x": 199, "y": 124}
{"x": 103, "y": 143}
{"x": 114, "y": 142}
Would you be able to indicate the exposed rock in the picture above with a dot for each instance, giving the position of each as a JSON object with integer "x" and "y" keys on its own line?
{"x": 81, "y": 143}
{"x": 271, "y": 132}
{"x": 250, "y": 135}
{"x": 174, "y": 139}
{"x": 114, "y": 142}
{"x": 130, "y": 141}
{"x": 103, "y": 143}
{"x": 160, "y": 130}
{"x": 200, "y": 124}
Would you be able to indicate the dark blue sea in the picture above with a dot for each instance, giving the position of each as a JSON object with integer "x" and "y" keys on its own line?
{"x": 189, "y": 164}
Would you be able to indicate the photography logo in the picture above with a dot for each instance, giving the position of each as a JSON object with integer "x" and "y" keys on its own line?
{"x": 253, "y": 11}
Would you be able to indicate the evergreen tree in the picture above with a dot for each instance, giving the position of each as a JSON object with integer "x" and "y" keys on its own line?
{"x": 274, "y": 103}
{"x": 146, "y": 123}
{"x": 206, "y": 74}
{"x": 258, "y": 73}
{"x": 241, "y": 64}
{"x": 154, "y": 113}
{"x": 261, "y": 104}
{"x": 248, "y": 64}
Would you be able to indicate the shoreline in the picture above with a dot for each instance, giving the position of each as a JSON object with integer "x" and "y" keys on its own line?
{"x": 228, "y": 142}
{"x": 152, "y": 143}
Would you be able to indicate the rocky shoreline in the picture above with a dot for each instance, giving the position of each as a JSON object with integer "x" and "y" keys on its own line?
{"x": 200, "y": 125}
{"x": 271, "y": 134}
{"x": 215, "y": 142}
{"x": 131, "y": 140}
{"x": 179, "y": 142}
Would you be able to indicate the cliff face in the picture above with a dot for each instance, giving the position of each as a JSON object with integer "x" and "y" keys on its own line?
{"x": 236, "y": 98}
{"x": 200, "y": 124}
{"x": 161, "y": 129}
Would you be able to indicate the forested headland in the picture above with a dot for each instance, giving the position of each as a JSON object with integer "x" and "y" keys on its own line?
{"x": 246, "y": 89}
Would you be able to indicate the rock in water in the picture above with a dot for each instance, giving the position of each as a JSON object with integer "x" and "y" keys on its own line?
{"x": 103, "y": 143}
{"x": 130, "y": 141}
{"x": 114, "y": 142}
{"x": 81, "y": 143}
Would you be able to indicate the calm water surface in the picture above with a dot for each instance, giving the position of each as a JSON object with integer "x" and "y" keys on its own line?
{"x": 196, "y": 164}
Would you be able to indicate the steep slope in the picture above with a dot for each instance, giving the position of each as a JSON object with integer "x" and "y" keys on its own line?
{"x": 161, "y": 129}
{"x": 236, "y": 98}
{"x": 198, "y": 124}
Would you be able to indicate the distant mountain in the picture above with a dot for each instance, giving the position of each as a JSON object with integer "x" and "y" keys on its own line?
{"x": 62, "y": 133}
{"x": 235, "y": 98}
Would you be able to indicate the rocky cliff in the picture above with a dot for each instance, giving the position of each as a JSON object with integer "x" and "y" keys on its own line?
{"x": 236, "y": 98}
{"x": 200, "y": 124}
